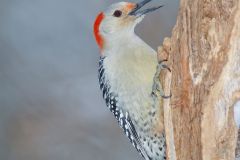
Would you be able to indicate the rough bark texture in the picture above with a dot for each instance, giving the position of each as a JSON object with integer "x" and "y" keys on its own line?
{"x": 204, "y": 54}
{"x": 238, "y": 146}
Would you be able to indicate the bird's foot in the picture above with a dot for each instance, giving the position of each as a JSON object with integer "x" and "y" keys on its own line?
{"x": 157, "y": 86}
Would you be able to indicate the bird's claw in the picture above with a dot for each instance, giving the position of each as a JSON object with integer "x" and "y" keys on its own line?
{"x": 154, "y": 94}
{"x": 166, "y": 97}
{"x": 164, "y": 66}
{"x": 161, "y": 61}
{"x": 157, "y": 87}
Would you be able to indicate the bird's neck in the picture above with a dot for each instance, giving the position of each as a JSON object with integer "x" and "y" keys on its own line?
{"x": 130, "y": 61}
{"x": 119, "y": 40}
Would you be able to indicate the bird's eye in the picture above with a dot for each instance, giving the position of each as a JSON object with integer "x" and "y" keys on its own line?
{"x": 117, "y": 13}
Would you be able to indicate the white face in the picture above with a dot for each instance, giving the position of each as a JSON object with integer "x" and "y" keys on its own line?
{"x": 118, "y": 22}
{"x": 117, "y": 19}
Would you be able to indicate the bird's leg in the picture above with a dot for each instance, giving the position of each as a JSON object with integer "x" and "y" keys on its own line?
{"x": 157, "y": 86}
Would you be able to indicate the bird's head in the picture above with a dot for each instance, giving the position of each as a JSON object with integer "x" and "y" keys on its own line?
{"x": 119, "y": 19}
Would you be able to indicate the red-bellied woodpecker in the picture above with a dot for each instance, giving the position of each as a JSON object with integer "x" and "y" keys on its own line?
{"x": 128, "y": 77}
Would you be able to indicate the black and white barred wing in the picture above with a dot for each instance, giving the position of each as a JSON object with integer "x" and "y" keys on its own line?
{"x": 130, "y": 131}
{"x": 122, "y": 117}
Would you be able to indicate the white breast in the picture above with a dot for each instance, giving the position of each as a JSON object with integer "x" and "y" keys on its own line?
{"x": 130, "y": 68}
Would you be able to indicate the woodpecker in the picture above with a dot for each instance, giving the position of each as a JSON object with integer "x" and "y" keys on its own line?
{"x": 128, "y": 77}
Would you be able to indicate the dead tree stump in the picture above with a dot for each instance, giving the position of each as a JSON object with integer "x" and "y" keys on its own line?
{"x": 204, "y": 54}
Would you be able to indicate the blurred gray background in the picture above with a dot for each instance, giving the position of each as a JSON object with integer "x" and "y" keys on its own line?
{"x": 51, "y": 107}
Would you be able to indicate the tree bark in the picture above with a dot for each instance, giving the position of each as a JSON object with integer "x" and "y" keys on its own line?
{"x": 204, "y": 55}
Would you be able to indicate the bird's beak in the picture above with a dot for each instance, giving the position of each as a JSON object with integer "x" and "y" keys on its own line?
{"x": 136, "y": 11}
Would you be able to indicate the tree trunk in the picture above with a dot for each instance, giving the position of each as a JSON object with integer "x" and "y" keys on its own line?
{"x": 204, "y": 55}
